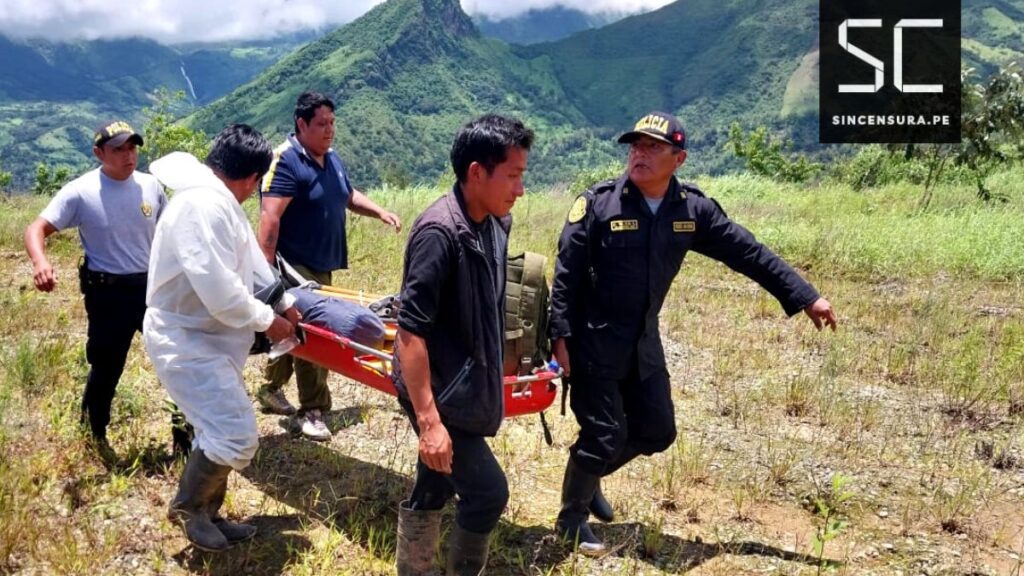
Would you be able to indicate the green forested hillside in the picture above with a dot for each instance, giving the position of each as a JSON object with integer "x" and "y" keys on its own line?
{"x": 407, "y": 73}
{"x": 53, "y": 94}
{"x": 710, "y": 61}
{"x": 419, "y": 67}
{"x": 993, "y": 32}
{"x": 748, "y": 61}
{"x": 113, "y": 71}
{"x": 544, "y": 25}
{"x": 405, "y": 76}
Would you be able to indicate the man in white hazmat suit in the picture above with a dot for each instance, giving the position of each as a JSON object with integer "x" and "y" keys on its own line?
{"x": 205, "y": 267}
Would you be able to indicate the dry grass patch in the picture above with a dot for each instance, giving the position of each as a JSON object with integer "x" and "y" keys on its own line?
{"x": 918, "y": 400}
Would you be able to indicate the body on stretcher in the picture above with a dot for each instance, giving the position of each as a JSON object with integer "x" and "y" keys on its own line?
{"x": 372, "y": 365}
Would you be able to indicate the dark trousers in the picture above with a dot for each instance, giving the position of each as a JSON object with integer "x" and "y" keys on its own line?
{"x": 476, "y": 478}
{"x": 310, "y": 378}
{"x": 619, "y": 417}
{"x": 115, "y": 310}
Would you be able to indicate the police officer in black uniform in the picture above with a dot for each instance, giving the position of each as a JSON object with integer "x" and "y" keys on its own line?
{"x": 622, "y": 245}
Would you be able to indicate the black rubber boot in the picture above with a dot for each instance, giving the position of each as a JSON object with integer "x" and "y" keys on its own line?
{"x": 181, "y": 436}
{"x": 105, "y": 451}
{"x": 418, "y": 533}
{"x": 199, "y": 483}
{"x": 600, "y": 507}
{"x": 578, "y": 488}
{"x": 232, "y": 531}
{"x": 467, "y": 552}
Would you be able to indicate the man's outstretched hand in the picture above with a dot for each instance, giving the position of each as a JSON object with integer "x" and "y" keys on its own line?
{"x": 821, "y": 313}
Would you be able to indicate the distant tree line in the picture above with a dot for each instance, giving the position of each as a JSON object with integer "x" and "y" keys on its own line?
{"x": 992, "y": 137}
{"x": 992, "y": 133}
{"x": 5, "y": 181}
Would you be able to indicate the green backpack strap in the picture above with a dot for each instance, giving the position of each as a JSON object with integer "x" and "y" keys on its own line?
{"x": 526, "y": 313}
{"x": 534, "y": 303}
{"x": 513, "y": 311}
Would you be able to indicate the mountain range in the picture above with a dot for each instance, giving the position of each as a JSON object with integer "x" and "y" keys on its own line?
{"x": 407, "y": 73}
{"x": 52, "y": 95}
{"x": 405, "y": 76}
{"x": 544, "y": 24}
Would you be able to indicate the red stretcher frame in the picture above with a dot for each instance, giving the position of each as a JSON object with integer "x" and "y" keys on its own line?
{"x": 371, "y": 366}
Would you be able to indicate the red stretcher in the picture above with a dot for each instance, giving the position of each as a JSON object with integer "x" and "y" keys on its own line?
{"x": 372, "y": 366}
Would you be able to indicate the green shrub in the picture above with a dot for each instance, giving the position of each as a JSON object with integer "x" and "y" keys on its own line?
{"x": 163, "y": 135}
{"x": 587, "y": 177}
{"x": 48, "y": 183}
{"x": 767, "y": 157}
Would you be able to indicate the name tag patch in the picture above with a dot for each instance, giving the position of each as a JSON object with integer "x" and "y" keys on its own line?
{"x": 625, "y": 225}
{"x": 684, "y": 226}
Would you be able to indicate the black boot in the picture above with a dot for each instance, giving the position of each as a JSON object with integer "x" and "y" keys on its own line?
{"x": 105, "y": 451}
{"x": 181, "y": 438}
{"x": 578, "y": 488}
{"x": 182, "y": 432}
{"x": 467, "y": 552}
{"x": 232, "y": 531}
{"x": 600, "y": 507}
{"x": 199, "y": 482}
{"x": 418, "y": 533}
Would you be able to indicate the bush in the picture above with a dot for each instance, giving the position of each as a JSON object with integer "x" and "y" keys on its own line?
{"x": 765, "y": 157}
{"x": 163, "y": 136}
{"x": 5, "y": 180}
{"x": 48, "y": 183}
{"x": 993, "y": 129}
{"x": 993, "y": 138}
{"x": 587, "y": 177}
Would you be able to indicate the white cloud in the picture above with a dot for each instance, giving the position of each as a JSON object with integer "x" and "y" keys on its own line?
{"x": 215, "y": 20}
{"x": 172, "y": 20}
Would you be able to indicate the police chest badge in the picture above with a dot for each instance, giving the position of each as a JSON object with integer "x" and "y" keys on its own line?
{"x": 578, "y": 210}
{"x": 147, "y": 209}
{"x": 625, "y": 225}
{"x": 684, "y": 226}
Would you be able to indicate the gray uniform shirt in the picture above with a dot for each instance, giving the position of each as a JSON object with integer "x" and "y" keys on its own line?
{"x": 115, "y": 219}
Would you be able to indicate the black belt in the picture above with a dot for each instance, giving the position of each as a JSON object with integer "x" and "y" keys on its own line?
{"x": 93, "y": 278}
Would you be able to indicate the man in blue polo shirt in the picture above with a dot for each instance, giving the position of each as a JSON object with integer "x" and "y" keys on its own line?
{"x": 302, "y": 216}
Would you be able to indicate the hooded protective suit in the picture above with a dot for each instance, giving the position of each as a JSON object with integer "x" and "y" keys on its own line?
{"x": 204, "y": 268}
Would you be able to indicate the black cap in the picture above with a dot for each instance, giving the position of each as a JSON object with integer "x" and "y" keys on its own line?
{"x": 660, "y": 126}
{"x": 115, "y": 133}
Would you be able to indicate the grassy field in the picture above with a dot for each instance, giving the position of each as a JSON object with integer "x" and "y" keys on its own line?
{"x": 897, "y": 441}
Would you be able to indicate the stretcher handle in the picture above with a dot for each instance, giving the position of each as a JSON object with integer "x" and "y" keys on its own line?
{"x": 539, "y": 376}
{"x": 381, "y": 355}
{"x": 361, "y": 348}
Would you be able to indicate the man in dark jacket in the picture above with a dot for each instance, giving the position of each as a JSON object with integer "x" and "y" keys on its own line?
{"x": 622, "y": 245}
{"x": 448, "y": 365}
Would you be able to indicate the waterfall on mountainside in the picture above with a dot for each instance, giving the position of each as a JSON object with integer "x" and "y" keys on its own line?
{"x": 191, "y": 89}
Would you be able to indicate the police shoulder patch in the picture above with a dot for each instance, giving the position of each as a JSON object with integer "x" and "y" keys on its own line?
{"x": 691, "y": 189}
{"x": 578, "y": 210}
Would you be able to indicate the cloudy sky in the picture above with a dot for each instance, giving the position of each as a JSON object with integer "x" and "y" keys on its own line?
{"x": 205, "y": 20}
